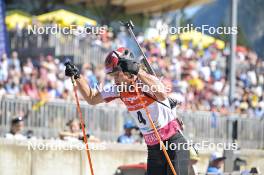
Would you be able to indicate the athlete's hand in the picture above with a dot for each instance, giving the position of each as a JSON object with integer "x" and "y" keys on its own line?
{"x": 71, "y": 70}
{"x": 129, "y": 66}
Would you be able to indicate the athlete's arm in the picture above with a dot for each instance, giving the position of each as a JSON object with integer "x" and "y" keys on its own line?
{"x": 154, "y": 84}
{"x": 91, "y": 96}
{"x": 156, "y": 87}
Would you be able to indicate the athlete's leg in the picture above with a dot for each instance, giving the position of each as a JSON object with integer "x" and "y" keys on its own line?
{"x": 156, "y": 161}
{"x": 179, "y": 154}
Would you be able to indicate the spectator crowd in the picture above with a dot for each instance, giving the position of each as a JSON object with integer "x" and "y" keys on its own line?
{"x": 196, "y": 75}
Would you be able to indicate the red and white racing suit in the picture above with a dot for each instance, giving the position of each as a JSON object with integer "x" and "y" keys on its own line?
{"x": 166, "y": 124}
{"x": 161, "y": 115}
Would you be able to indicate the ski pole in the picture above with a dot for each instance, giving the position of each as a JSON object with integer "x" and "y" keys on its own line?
{"x": 82, "y": 122}
{"x": 156, "y": 131}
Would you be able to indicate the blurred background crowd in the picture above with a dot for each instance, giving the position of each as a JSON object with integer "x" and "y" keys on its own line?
{"x": 196, "y": 75}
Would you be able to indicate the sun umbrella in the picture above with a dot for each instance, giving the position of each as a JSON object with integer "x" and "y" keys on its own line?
{"x": 16, "y": 19}
{"x": 66, "y": 18}
{"x": 199, "y": 38}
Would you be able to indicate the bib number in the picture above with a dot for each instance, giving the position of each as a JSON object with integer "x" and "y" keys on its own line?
{"x": 140, "y": 118}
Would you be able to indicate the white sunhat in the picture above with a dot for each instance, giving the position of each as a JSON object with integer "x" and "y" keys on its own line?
{"x": 217, "y": 156}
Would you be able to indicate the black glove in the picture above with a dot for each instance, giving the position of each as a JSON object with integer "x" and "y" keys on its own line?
{"x": 129, "y": 66}
{"x": 71, "y": 70}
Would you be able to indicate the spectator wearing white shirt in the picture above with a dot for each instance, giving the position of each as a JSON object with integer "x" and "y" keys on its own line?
{"x": 17, "y": 127}
{"x": 15, "y": 62}
{"x": 4, "y": 68}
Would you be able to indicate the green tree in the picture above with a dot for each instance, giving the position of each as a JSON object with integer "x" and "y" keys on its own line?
{"x": 32, "y": 6}
{"x": 241, "y": 37}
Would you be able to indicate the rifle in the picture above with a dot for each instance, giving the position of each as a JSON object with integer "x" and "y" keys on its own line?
{"x": 130, "y": 26}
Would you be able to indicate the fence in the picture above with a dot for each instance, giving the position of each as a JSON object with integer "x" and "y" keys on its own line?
{"x": 106, "y": 122}
{"x": 83, "y": 48}
{"x": 201, "y": 126}
{"x": 103, "y": 122}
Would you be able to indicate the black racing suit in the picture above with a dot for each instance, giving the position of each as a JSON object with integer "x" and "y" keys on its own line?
{"x": 178, "y": 153}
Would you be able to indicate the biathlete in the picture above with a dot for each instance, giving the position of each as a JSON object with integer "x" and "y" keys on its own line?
{"x": 129, "y": 75}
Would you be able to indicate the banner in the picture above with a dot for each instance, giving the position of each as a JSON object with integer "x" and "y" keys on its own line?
{"x": 3, "y": 31}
